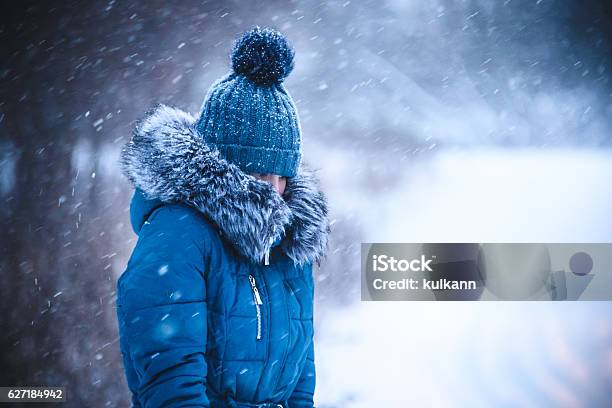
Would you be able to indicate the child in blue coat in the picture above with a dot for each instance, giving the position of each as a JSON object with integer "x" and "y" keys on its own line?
{"x": 215, "y": 307}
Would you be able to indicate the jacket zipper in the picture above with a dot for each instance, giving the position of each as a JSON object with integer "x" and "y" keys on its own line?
{"x": 258, "y": 304}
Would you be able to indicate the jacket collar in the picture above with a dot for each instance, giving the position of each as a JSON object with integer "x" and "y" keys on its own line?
{"x": 168, "y": 161}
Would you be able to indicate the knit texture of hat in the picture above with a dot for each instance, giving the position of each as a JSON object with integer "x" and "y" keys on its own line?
{"x": 248, "y": 115}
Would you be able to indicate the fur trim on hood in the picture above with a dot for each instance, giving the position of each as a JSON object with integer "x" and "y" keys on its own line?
{"x": 168, "y": 160}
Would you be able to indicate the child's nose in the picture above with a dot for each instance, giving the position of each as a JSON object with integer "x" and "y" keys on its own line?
{"x": 275, "y": 181}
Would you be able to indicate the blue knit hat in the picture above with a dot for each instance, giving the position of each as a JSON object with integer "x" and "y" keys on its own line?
{"x": 248, "y": 115}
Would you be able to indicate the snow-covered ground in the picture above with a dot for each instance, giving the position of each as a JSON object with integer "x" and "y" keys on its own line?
{"x": 476, "y": 195}
{"x": 468, "y": 354}
{"x": 396, "y": 354}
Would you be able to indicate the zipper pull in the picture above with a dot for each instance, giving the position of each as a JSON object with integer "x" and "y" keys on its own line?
{"x": 255, "y": 290}
{"x": 267, "y": 255}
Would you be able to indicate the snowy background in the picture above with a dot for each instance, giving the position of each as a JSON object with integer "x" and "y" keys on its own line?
{"x": 430, "y": 121}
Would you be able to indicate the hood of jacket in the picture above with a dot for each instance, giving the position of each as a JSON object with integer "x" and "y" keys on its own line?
{"x": 168, "y": 161}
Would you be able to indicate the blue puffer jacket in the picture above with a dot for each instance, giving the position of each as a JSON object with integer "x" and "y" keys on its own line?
{"x": 215, "y": 307}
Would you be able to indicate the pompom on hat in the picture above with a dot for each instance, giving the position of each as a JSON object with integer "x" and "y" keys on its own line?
{"x": 248, "y": 115}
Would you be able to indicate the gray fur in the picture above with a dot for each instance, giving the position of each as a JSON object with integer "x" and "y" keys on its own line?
{"x": 167, "y": 159}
